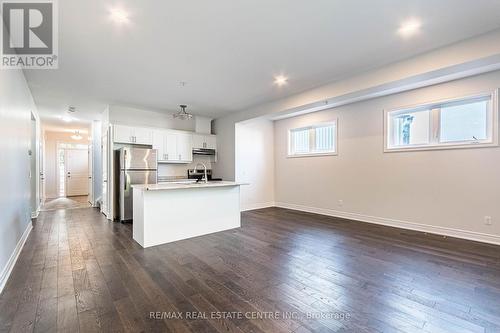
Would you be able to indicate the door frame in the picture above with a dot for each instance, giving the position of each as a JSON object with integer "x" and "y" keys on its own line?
{"x": 34, "y": 152}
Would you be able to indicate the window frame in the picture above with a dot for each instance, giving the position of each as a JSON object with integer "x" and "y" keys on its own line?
{"x": 435, "y": 125}
{"x": 333, "y": 122}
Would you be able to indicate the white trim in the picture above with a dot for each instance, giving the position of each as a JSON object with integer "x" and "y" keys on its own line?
{"x": 312, "y": 153}
{"x": 4, "y": 276}
{"x": 434, "y": 144}
{"x": 255, "y": 206}
{"x": 445, "y": 231}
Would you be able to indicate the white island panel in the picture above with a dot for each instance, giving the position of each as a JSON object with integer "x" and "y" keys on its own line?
{"x": 163, "y": 216}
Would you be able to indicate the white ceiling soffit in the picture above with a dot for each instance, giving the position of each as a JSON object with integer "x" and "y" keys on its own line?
{"x": 229, "y": 51}
{"x": 455, "y": 72}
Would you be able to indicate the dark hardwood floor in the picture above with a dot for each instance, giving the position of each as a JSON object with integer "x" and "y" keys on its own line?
{"x": 283, "y": 271}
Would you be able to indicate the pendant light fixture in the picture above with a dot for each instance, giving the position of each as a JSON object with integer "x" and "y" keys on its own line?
{"x": 182, "y": 114}
{"x": 76, "y": 136}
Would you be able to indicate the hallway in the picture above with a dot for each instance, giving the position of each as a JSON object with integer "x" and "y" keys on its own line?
{"x": 66, "y": 203}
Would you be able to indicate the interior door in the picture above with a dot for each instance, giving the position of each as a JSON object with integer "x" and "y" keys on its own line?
{"x": 104, "y": 168}
{"x": 42, "y": 172}
{"x": 76, "y": 172}
{"x": 89, "y": 177}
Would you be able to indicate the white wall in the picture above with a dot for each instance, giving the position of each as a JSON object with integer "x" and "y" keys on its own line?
{"x": 148, "y": 118}
{"x": 441, "y": 189}
{"x": 51, "y": 140}
{"x": 254, "y": 160}
{"x": 180, "y": 170}
{"x": 456, "y": 60}
{"x": 16, "y": 104}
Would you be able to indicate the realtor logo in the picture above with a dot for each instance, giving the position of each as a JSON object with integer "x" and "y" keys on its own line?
{"x": 29, "y": 34}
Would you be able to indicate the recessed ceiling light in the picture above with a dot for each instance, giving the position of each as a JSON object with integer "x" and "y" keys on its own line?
{"x": 66, "y": 119}
{"x": 410, "y": 27}
{"x": 119, "y": 15}
{"x": 280, "y": 80}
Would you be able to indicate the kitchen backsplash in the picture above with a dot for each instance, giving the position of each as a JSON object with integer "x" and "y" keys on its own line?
{"x": 170, "y": 170}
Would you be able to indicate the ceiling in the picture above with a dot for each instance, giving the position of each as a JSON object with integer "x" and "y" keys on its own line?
{"x": 228, "y": 52}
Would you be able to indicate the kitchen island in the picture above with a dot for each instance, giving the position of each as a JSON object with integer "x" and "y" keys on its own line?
{"x": 170, "y": 212}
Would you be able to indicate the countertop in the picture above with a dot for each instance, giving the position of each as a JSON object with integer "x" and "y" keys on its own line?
{"x": 180, "y": 186}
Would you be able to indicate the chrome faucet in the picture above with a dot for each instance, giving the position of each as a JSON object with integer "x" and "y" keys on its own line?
{"x": 205, "y": 171}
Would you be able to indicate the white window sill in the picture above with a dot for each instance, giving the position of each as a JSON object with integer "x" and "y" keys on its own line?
{"x": 312, "y": 155}
{"x": 443, "y": 146}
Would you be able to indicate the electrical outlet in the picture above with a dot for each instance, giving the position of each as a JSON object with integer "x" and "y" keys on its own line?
{"x": 487, "y": 220}
{"x": 340, "y": 203}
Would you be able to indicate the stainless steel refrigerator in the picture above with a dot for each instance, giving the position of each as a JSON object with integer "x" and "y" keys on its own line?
{"x": 137, "y": 166}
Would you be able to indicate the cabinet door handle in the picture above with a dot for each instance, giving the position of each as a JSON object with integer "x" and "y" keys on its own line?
{"x": 166, "y": 156}
{"x": 179, "y": 157}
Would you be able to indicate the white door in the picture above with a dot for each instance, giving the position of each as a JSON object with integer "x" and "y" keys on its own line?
{"x": 42, "y": 172}
{"x": 89, "y": 178}
{"x": 76, "y": 172}
{"x": 104, "y": 148}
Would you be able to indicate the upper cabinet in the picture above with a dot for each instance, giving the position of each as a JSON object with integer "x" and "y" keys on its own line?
{"x": 205, "y": 141}
{"x": 133, "y": 135}
{"x": 173, "y": 146}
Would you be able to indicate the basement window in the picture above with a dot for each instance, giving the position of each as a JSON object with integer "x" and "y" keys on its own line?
{"x": 458, "y": 123}
{"x": 315, "y": 140}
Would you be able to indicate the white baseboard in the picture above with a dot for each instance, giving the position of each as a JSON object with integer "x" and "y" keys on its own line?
{"x": 4, "y": 276}
{"x": 244, "y": 208}
{"x": 450, "y": 232}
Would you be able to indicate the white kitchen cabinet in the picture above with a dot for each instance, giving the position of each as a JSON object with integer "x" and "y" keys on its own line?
{"x": 211, "y": 141}
{"x": 123, "y": 134}
{"x": 143, "y": 136}
{"x": 159, "y": 144}
{"x": 132, "y": 135}
{"x": 185, "y": 147}
{"x": 204, "y": 141}
{"x": 173, "y": 146}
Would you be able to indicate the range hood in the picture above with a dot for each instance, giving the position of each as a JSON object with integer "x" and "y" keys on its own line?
{"x": 203, "y": 151}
